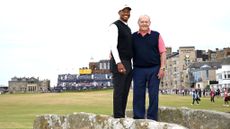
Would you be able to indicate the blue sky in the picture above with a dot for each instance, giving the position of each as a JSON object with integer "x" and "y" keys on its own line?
{"x": 44, "y": 38}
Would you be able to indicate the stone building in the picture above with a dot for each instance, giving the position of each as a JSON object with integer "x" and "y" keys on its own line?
{"x": 201, "y": 55}
{"x": 176, "y": 68}
{"x": 187, "y": 55}
{"x": 170, "y": 80}
{"x": 201, "y": 73}
{"x": 168, "y": 51}
{"x": 97, "y": 76}
{"x": 102, "y": 67}
{"x": 185, "y": 66}
{"x": 211, "y": 55}
{"x": 219, "y": 54}
{"x": 28, "y": 85}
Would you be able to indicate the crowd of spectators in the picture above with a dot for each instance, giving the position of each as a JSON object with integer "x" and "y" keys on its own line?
{"x": 188, "y": 91}
{"x": 71, "y": 82}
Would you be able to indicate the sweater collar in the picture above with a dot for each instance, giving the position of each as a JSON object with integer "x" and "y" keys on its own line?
{"x": 143, "y": 34}
{"x": 123, "y": 22}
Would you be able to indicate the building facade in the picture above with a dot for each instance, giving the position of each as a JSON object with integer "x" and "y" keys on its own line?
{"x": 202, "y": 73}
{"x": 102, "y": 67}
{"x": 176, "y": 75}
{"x": 188, "y": 66}
{"x": 28, "y": 85}
{"x": 218, "y": 54}
{"x": 97, "y": 76}
{"x": 223, "y": 74}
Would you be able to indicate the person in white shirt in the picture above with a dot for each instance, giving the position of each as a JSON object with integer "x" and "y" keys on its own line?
{"x": 120, "y": 38}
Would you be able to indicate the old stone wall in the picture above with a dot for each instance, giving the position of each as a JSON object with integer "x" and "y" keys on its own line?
{"x": 193, "y": 118}
{"x": 169, "y": 118}
{"x": 92, "y": 121}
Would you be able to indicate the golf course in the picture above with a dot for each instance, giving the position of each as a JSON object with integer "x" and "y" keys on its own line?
{"x": 18, "y": 111}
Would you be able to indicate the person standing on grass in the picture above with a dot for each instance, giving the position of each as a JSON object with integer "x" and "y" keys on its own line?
{"x": 149, "y": 59}
{"x": 226, "y": 97}
{"x": 120, "y": 36}
{"x": 195, "y": 97}
{"x": 212, "y": 94}
{"x": 199, "y": 90}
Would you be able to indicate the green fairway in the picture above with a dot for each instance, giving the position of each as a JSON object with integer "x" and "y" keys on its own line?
{"x": 19, "y": 110}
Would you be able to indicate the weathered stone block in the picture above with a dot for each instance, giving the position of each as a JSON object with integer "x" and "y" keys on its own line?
{"x": 92, "y": 121}
{"x": 193, "y": 118}
{"x": 169, "y": 118}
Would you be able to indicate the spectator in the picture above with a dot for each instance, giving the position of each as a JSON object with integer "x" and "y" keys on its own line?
{"x": 226, "y": 97}
{"x": 212, "y": 94}
{"x": 195, "y": 97}
{"x": 199, "y": 90}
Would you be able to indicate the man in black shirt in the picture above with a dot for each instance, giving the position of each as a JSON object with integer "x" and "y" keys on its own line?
{"x": 120, "y": 37}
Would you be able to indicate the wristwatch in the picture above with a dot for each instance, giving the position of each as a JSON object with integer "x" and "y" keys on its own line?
{"x": 162, "y": 68}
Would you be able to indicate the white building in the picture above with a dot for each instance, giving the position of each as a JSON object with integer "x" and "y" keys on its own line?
{"x": 223, "y": 74}
{"x": 202, "y": 73}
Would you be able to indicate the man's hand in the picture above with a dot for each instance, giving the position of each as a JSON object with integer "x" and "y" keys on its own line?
{"x": 121, "y": 68}
{"x": 161, "y": 73}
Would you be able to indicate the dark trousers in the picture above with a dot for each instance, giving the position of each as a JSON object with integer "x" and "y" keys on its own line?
{"x": 194, "y": 99}
{"x": 226, "y": 99}
{"x": 121, "y": 85}
{"x": 212, "y": 99}
{"x": 145, "y": 78}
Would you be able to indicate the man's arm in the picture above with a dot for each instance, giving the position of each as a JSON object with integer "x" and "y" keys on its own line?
{"x": 113, "y": 39}
{"x": 162, "y": 51}
{"x": 163, "y": 60}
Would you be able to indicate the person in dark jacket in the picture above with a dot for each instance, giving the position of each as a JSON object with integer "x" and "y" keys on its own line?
{"x": 149, "y": 58}
{"x": 195, "y": 97}
{"x": 120, "y": 36}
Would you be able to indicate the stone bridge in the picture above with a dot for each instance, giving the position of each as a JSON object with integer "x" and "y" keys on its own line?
{"x": 169, "y": 118}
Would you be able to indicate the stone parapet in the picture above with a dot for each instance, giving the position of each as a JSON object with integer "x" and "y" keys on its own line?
{"x": 169, "y": 118}
{"x": 93, "y": 121}
{"x": 193, "y": 118}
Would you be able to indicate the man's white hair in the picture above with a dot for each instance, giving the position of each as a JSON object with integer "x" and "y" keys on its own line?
{"x": 146, "y": 16}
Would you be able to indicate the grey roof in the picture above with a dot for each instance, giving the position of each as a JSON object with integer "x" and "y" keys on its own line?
{"x": 187, "y": 47}
{"x": 210, "y": 64}
{"x": 205, "y": 66}
{"x": 172, "y": 55}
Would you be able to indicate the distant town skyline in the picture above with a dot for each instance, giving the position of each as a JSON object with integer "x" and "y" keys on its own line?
{"x": 48, "y": 37}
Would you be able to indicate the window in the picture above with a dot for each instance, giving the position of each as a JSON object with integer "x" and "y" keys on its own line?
{"x": 227, "y": 75}
{"x": 219, "y": 76}
{"x": 207, "y": 74}
{"x": 174, "y": 69}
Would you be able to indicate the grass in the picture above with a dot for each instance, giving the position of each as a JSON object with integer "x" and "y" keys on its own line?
{"x": 18, "y": 111}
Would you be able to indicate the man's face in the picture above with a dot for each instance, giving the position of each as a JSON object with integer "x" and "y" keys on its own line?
{"x": 144, "y": 23}
{"x": 124, "y": 14}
